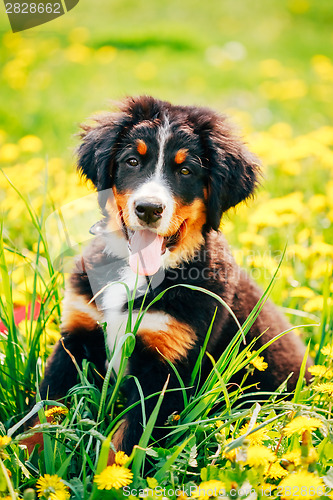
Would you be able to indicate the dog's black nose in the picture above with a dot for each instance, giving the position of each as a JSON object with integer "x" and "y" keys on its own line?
{"x": 148, "y": 212}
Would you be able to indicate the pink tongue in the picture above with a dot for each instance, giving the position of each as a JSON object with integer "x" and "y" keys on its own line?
{"x": 146, "y": 251}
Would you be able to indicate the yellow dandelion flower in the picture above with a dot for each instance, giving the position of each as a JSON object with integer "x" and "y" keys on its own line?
{"x": 232, "y": 454}
{"x": 301, "y": 484}
{"x": 52, "y": 488}
{"x": 52, "y": 333}
{"x": 298, "y": 251}
{"x": 317, "y": 202}
{"x": 208, "y": 489}
{"x": 314, "y": 304}
{"x": 3, "y": 136}
{"x": 302, "y": 424}
{"x": 56, "y": 413}
{"x": 121, "y": 458}
{"x": 4, "y": 440}
{"x": 222, "y": 432}
{"x": 78, "y": 53}
{"x": 304, "y": 235}
{"x": 56, "y": 410}
{"x": 282, "y": 130}
{"x": 60, "y": 495}
{"x": 30, "y": 144}
{"x": 321, "y": 248}
{"x": 303, "y": 292}
{"x": 312, "y": 456}
{"x": 327, "y": 350}
{"x": 326, "y": 387}
{"x": 106, "y": 54}
{"x": 250, "y": 239}
{"x": 293, "y": 457}
{"x": 291, "y": 167}
{"x": 9, "y": 153}
{"x": 114, "y": 476}
{"x": 322, "y": 65}
{"x": 320, "y": 268}
{"x": 152, "y": 482}
{"x": 256, "y": 437}
{"x": 259, "y": 456}
{"x": 320, "y": 371}
{"x": 275, "y": 471}
{"x": 258, "y": 362}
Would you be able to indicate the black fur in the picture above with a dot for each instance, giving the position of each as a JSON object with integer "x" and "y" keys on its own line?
{"x": 231, "y": 171}
{"x": 222, "y": 174}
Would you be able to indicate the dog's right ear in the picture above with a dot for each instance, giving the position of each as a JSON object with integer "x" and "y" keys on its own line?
{"x": 97, "y": 149}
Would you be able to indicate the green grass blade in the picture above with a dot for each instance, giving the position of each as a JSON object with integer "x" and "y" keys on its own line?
{"x": 160, "y": 475}
{"x": 300, "y": 380}
{"x": 143, "y": 443}
{"x": 202, "y": 350}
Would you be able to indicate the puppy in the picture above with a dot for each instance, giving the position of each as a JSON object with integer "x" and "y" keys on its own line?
{"x": 165, "y": 175}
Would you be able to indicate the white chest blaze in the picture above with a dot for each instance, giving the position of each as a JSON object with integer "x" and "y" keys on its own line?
{"x": 116, "y": 314}
{"x": 115, "y": 296}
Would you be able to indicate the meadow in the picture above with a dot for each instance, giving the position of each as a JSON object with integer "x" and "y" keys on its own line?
{"x": 269, "y": 67}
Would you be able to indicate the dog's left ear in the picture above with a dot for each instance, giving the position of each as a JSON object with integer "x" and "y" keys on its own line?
{"x": 95, "y": 151}
{"x": 233, "y": 170}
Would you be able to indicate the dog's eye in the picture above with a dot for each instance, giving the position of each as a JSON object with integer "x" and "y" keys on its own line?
{"x": 132, "y": 162}
{"x": 185, "y": 171}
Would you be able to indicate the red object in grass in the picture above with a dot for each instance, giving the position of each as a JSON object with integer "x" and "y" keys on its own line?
{"x": 20, "y": 314}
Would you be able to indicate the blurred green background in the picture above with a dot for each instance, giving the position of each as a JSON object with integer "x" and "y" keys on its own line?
{"x": 257, "y": 57}
{"x": 267, "y": 64}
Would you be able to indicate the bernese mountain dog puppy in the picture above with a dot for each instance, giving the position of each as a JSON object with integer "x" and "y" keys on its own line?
{"x": 165, "y": 175}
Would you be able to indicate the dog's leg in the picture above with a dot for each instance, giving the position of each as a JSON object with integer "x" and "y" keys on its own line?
{"x": 61, "y": 372}
{"x": 152, "y": 374}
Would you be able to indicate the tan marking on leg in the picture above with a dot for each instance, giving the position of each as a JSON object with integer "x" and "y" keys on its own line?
{"x": 117, "y": 441}
{"x": 32, "y": 441}
{"x": 38, "y": 437}
{"x": 173, "y": 342}
{"x": 77, "y": 313}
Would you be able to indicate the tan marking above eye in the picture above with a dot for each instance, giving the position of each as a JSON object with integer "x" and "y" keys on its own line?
{"x": 141, "y": 147}
{"x": 181, "y": 156}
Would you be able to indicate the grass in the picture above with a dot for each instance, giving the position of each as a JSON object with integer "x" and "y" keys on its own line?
{"x": 270, "y": 68}
{"x": 200, "y": 442}
{"x": 206, "y": 448}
